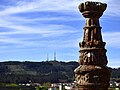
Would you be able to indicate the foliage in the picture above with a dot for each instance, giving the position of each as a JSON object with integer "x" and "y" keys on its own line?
{"x": 39, "y": 72}
{"x": 2, "y": 84}
{"x": 47, "y": 84}
{"x": 41, "y": 88}
{"x": 12, "y": 85}
{"x": 115, "y": 73}
{"x": 111, "y": 89}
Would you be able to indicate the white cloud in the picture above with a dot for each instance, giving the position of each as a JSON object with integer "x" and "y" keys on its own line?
{"x": 114, "y": 63}
{"x": 112, "y": 39}
{"x": 56, "y": 6}
{"x": 66, "y": 10}
{"x": 20, "y": 24}
{"x": 40, "y": 5}
{"x": 113, "y": 8}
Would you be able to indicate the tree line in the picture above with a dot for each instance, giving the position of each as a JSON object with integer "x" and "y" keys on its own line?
{"x": 41, "y": 72}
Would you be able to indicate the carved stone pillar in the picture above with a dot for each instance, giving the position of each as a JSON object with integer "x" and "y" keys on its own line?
{"x": 92, "y": 74}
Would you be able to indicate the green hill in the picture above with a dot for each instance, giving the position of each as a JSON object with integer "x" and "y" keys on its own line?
{"x": 40, "y": 72}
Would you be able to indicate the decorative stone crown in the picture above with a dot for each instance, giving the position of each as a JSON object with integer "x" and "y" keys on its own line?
{"x": 92, "y": 9}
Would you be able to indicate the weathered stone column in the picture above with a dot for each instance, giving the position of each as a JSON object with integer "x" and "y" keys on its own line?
{"x": 92, "y": 74}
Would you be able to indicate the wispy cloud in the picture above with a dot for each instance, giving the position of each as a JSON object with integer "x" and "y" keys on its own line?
{"x": 39, "y": 5}
{"x": 22, "y": 25}
{"x": 38, "y": 24}
{"x": 112, "y": 39}
{"x": 113, "y": 8}
{"x": 114, "y": 63}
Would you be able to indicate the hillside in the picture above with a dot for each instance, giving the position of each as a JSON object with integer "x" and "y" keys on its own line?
{"x": 49, "y": 71}
{"x": 41, "y": 72}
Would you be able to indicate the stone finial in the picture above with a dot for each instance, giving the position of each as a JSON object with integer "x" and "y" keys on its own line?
{"x": 92, "y": 9}
{"x": 92, "y": 73}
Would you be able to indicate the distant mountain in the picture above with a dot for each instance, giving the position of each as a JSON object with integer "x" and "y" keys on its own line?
{"x": 41, "y": 72}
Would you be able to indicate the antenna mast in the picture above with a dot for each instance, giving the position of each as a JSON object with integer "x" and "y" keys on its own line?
{"x": 47, "y": 57}
{"x": 55, "y": 56}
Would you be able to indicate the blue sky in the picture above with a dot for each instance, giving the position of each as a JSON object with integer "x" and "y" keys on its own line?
{"x": 31, "y": 29}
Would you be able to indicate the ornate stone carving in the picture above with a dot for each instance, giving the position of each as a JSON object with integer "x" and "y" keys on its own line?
{"x": 92, "y": 74}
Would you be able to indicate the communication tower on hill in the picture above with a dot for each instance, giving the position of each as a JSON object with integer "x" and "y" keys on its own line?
{"x": 55, "y": 58}
{"x": 47, "y": 57}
